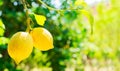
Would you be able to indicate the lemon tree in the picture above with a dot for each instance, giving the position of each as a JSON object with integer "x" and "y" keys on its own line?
{"x": 67, "y": 31}
{"x": 21, "y": 44}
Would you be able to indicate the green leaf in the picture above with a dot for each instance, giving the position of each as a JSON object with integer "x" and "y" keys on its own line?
{"x": 80, "y": 3}
{"x": 40, "y": 19}
{"x": 1, "y": 32}
{"x": 1, "y": 2}
{"x": 90, "y": 18}
{"x": 2, "y": 25}
{"x": 3, "y": 40}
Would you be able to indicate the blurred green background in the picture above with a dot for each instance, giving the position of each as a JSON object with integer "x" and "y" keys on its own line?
{"x": 79, "y": 44}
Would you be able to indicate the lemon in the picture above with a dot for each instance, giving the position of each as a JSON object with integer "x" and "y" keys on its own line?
{"x": 42, "y": 39}
{"x": 20, "y": 46}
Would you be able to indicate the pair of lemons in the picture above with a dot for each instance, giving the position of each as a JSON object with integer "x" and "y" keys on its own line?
{"x": 21, "y": 44}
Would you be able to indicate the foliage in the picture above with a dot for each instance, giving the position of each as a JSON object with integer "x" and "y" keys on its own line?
{"x": 77, "y": 41}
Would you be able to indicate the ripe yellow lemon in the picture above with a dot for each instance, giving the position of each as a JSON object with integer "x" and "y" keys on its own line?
{"x": 20, "y": 46}
{"x": 42, "y": 39}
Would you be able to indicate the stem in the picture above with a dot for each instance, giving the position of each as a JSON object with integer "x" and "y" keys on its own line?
{"x": 28, "y": 20}
{"x": 28, "y": 25}
{"x": 60, "y": 10}
{"x": 50, "y": 8}
{"x": 24, "y": 4}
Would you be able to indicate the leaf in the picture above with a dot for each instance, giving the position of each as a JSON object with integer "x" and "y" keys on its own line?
{"x": 80, "y": 3}
{"x": 3, "y": 40}
{"x": 40, "y": 19}
{"x": 1, "y": 32}
{"x": 88, "y": 15}
{"x": 1, "y": 2}
{"x": 90, "y": 18}
{"x": 2, "y": 25}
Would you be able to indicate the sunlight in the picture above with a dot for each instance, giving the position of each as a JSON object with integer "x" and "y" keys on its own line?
{"x": 90, "y": 2}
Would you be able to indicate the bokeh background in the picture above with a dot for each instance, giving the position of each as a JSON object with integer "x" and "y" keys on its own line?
{"x": 79, "y": 43}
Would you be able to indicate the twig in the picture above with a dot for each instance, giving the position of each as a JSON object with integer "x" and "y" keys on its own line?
{"x": 51, "y": 8}
{"x": 27, "y": 16}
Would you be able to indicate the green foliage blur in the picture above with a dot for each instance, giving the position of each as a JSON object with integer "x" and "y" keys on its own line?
{"x": 79, "y": 44}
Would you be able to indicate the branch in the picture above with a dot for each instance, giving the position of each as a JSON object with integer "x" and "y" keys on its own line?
{"x": 27, "y": 16}
{"x": 51, "y": 8}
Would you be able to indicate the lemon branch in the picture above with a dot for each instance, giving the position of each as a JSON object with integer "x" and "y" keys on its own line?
{"x": 84, "y": 12}
{"x": 27, "y": 16}
{"x": 51, "y": 8}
